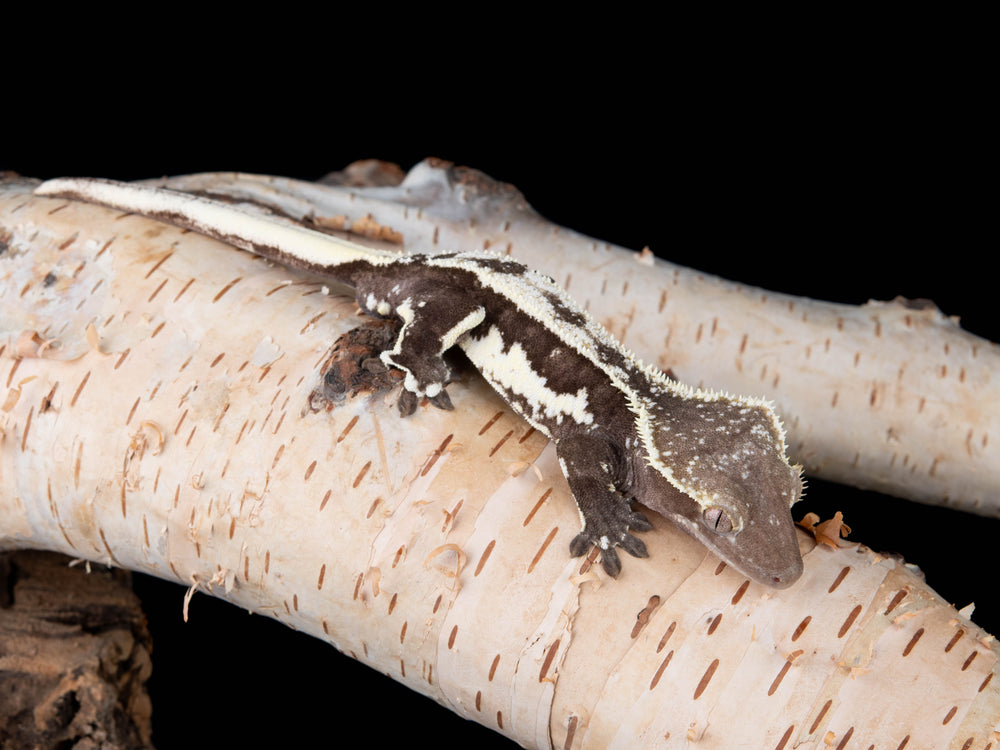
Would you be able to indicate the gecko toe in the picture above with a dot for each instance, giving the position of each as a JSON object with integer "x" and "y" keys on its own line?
{"x": 442, "y": 401}
{"x": 615, "y": 522}
{"x": 610, "y": 561}
{"x": 580, "y": 545}
{"x": 374, "y": 365}
{"x": 407, "y": 403}
{"x": 638, "y": 522}
{"x": 634, "y": 546}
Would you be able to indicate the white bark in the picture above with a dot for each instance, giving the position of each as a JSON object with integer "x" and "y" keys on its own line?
{"x": 158, "y": 421}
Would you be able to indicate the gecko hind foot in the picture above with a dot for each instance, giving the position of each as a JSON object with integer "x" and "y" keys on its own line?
{"x": 354, "y": 365}
{"x": 374, "y": 365}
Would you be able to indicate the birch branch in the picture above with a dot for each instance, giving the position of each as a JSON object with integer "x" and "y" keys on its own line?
{"x": 156, "y": 417}
{"x": 891, "y": 396}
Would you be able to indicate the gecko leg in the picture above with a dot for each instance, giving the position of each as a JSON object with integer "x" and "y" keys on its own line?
{"x": 591, "y": 468}
{"x": 429, "y": 330}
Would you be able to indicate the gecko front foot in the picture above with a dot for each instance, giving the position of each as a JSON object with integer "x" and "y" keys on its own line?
{"x": 611, "y": 530}
{"x": 408, "y": 401}
{"x": 423, "y": 376}
{"x": 595, "y": 474}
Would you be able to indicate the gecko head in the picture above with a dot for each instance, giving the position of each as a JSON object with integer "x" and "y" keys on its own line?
{"x": 730, "y": 482}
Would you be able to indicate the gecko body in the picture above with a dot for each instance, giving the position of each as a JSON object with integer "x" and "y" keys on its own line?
{"x": 713, "y": 464}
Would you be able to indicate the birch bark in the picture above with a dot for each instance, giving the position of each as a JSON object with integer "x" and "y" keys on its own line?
{"x": 158, "y": 421}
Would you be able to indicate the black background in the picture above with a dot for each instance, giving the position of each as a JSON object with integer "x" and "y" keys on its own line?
{"x": 849, "y": 172}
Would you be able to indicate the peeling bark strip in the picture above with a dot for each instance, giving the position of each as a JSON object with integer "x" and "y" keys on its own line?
{"x": 193, "y": 520}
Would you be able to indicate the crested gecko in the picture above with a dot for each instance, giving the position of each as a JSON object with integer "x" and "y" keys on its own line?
{"x": 713, "y": 464}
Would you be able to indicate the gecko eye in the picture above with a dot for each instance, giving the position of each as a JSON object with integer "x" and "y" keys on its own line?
{"x": 717, "y": 520}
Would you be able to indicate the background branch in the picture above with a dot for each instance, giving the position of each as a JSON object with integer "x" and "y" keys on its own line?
{"x": 124, "y": 340}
